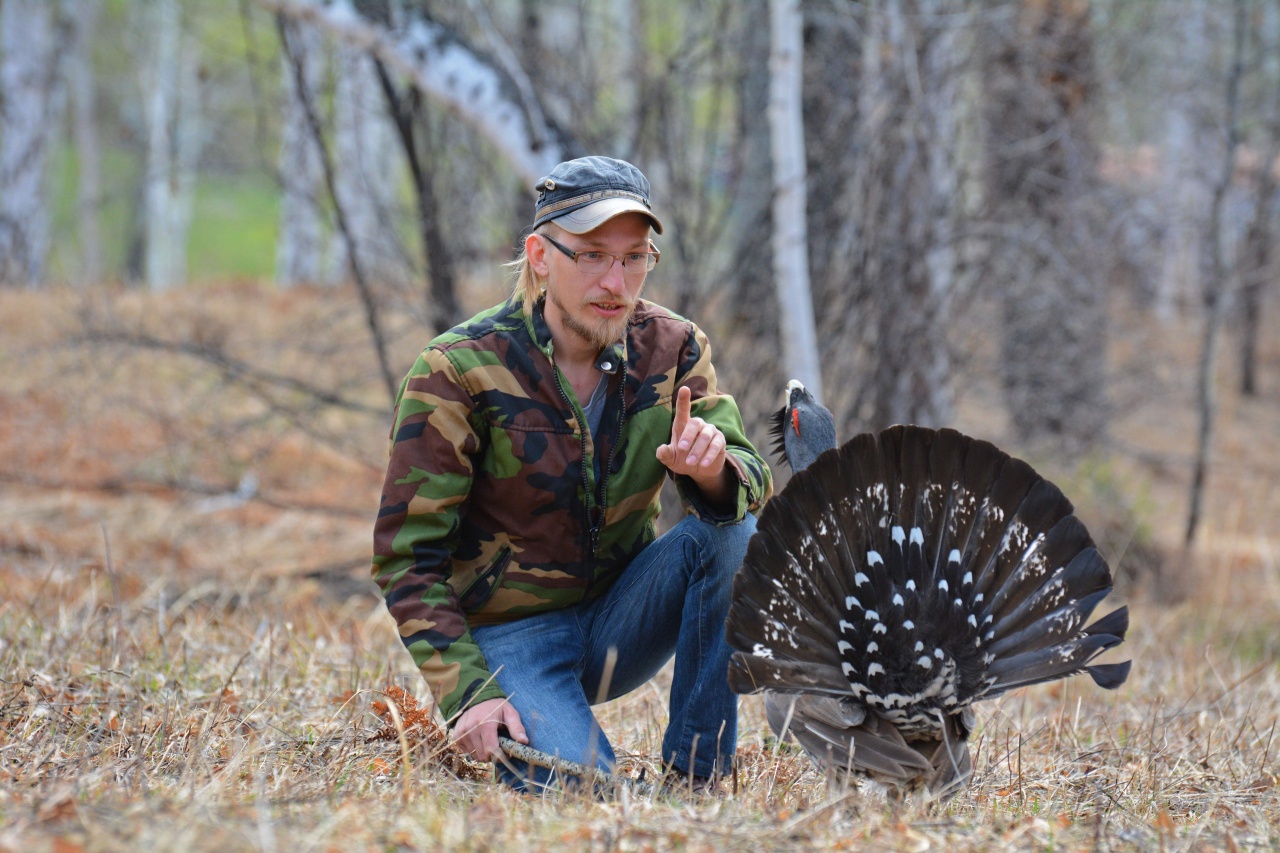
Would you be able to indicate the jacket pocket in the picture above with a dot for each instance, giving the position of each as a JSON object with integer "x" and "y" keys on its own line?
{"x": 482, "y": 588}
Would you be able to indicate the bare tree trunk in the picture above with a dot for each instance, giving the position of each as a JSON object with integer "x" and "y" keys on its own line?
{"x": 1216, "y": 293}
{"x": 30, "y": 96}
{"x": 300, "y": 246}
{"x": 790, "y": 234}
{"x": 89, "y": 191}
{"x": 1257, "y": 266}
{"x": 173, "y": 145}
{"x": 160, "y": 79}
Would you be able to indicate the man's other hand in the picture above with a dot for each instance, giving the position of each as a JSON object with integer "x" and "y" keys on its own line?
{"x": 476, "y": 732}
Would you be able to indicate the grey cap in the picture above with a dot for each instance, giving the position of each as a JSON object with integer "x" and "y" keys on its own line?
{"x": 583, "y": 194}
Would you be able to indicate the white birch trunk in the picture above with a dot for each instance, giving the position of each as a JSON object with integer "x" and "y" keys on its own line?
{"x": 160, "y": 82}
{"x": 790, "y": 232}
{"x": 29, "y": 94}
{"x": 364, "y": 149}
{"x": 300, "y": 246}
{"x": 174, "y": 140}
{"x": 442, "y": 66}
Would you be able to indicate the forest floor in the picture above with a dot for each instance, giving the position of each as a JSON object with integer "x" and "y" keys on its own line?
{"x": 192, "y": 656}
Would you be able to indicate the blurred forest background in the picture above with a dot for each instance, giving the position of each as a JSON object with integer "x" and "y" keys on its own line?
{"x": 227, "y": 227}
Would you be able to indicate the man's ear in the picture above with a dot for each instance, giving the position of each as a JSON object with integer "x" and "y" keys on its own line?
{"x": 536, "y": 251}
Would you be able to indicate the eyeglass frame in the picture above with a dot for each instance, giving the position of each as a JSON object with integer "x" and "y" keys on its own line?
{"x": 653, "y": 252}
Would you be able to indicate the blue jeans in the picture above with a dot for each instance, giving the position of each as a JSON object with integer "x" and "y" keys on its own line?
{"x": 672, "y": 599}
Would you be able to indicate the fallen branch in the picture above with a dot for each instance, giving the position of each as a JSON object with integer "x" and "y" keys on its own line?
{"x": 595, "y": 775}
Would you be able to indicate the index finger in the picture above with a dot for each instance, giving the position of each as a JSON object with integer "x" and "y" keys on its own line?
{"x": 683, "y": 398}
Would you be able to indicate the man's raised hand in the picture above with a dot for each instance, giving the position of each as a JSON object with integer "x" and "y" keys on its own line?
{"x": 696, "y": 448}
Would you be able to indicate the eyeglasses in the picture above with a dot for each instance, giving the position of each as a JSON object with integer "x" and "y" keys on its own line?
{"x": 598, "y": 263}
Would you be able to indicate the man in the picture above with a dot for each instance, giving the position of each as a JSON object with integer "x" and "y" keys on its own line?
{"x": 515, "y": 544}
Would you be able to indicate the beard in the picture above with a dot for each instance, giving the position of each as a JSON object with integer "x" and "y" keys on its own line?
{"x": 600, "y": 334}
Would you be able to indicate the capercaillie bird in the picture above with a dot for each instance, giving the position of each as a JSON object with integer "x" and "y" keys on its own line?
{"x": 897, "y": 580}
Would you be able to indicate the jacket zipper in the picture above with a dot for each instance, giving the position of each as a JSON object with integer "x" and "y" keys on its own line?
{"x": 603, "y": 502}
{"x": 592, "y": 533}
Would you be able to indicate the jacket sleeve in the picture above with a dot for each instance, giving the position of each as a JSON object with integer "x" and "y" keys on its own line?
{"x": 755, "y": 480}
{"x": 434, "y": 437}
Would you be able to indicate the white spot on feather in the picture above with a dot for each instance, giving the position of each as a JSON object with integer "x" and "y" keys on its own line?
{"x": 909, "y": 625}
{"x": 954, "y": 557}
{"x": 874, "y": 558}
{"x": 859, "y": 579}
{"x": 917, "y": 536}
{"x": 850, "y": 602}
{"x": 899, "y": 535}
{"x": 844, "y": 646}
{"x": 924, "y": 662}
{"x": 897, "y": 599}
{"x": 873, "y": 647}
{"x": 875, "y": 669}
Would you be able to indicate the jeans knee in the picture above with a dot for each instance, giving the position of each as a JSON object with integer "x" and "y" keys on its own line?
{"x": 725, "y": 546}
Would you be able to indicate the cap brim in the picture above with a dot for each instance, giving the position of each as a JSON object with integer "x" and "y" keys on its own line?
{"x": 592, "y": 216}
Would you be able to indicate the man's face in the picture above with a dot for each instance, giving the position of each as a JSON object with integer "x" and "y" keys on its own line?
{"x": 595, "y": 308}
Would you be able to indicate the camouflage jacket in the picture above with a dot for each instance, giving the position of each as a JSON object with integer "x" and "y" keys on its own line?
{"x": 492, "y": 508}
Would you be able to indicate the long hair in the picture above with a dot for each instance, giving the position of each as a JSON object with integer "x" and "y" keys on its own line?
{"x": 528, "y": 286}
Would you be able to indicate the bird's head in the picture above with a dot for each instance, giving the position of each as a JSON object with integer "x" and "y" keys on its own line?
{"x": 802, "y": 428}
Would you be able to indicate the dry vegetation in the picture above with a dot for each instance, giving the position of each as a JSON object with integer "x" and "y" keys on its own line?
{"x": 179, "y": 671}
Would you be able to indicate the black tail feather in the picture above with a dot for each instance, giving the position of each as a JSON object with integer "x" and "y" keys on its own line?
{"x": 916, "y": 572}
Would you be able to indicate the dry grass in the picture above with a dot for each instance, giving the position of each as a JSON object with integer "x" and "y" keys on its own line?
{"x": 178, "y": 676}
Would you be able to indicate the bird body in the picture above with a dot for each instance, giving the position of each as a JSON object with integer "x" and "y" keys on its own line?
{"x": 897, "y": 580}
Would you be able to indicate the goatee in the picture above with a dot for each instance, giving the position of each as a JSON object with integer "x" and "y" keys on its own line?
{"x": 602, "y": 334}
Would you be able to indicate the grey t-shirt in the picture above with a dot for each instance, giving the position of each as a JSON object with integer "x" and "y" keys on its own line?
{"x": 594, "y": 408}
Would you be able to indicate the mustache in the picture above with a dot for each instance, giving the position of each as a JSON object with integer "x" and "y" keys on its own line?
{"x": 623, "y": 301}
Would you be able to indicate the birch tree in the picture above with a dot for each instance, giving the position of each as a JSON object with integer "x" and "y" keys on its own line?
{"x": 31, "y": 45}
{"x": 171, "y": 82}
{"x": 790, "y": 235}
{"x": 448, "y": 69}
